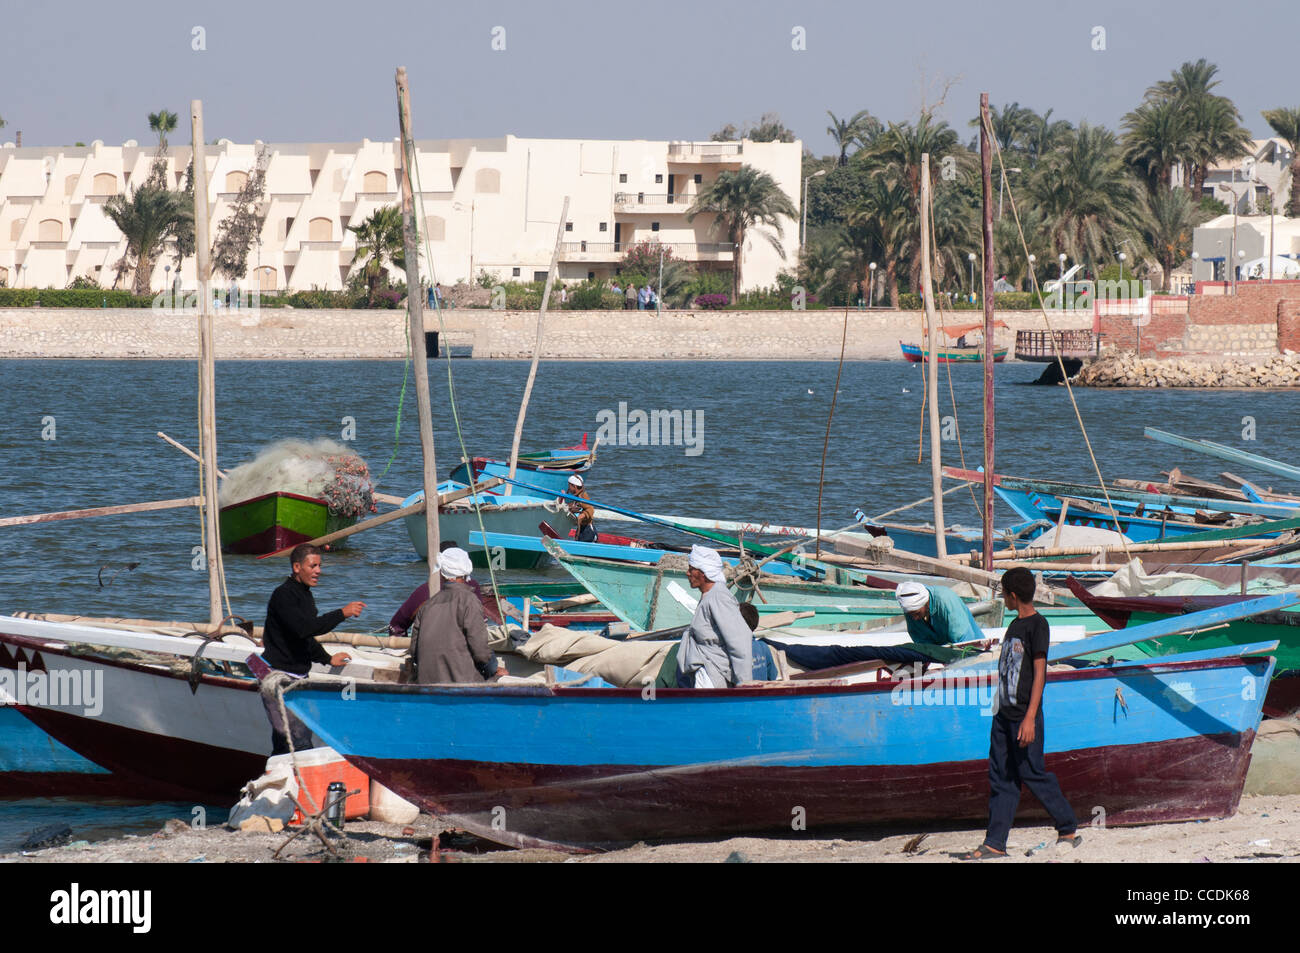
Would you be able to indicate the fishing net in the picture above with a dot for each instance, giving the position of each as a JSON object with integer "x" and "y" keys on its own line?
{"x": 320, "y": 468}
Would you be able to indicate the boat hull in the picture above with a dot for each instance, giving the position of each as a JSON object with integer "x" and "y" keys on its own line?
{"x": 916, "y": 355}
{"x": 154, "y": 737}
{"x": 276, "y": 521}
{"x": 603, "y": 766}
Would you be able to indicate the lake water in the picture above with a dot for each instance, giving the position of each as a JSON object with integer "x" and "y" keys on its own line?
{"x": 82, "y": 433}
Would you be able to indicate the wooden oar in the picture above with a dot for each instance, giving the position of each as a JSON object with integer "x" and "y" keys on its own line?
{"x": 102, "y": 511}
{"x": 380, "y": 497}
{"x": 443, "y": 500}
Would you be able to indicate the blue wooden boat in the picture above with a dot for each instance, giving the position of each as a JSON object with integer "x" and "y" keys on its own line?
{"x": 547, "y": 471}
{"x": 551, "y": 765}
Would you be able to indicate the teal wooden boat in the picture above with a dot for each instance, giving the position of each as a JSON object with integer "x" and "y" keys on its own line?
{"x": 652, "y": 596}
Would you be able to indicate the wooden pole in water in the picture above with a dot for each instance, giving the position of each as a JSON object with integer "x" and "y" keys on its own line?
{"x": 986, "y": 170}
{"x": 932, "y": 363}
{"x": 537, "y": 348}
{"x": 207, "y": 367}
{"x": 415, "y": 309}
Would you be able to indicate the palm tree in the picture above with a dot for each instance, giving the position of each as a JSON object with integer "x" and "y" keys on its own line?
{"x": 888, "y": 212}
{"x": 1217, "y": 134}
{"x": 1157, "y": 137}
{"x": 147, "y": 217}
{"x": 1214, "y": 124}
{"x": 899, "y": 149}
{"x": 1167, "y": 227}
{"x": 862, "y": 129}
{"x": 1042, "y": 137}
{"x": 1010, "y": 124}
{"x": 1286, "y": 123}
{"x": 1087, "y": 200}
{"x": 826, "y": 260}
{"x": 162, "y": 122}
{"x": 379, "y": 243}
{"x": 740, "y": 200}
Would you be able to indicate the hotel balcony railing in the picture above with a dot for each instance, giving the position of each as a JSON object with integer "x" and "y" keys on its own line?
{"x": 613, "y": 251}
{"x": 704, "y": 151}
{"x": 652, "y": 202}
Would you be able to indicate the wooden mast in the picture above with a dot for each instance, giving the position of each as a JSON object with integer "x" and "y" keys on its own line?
{"x": 986, "y": 169}
{"x": 932, "y": 363}
{"x": 415, "y": 308}
{"x": 537, "y": 348}
{"x": 207, "y": 367}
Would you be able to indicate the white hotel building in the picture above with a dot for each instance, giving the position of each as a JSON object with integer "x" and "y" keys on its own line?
{"x": 488, "y": 205}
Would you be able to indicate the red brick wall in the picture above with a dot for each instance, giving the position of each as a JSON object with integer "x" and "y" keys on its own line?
{"x": 1288, "y": 325}
{"x": 1162, "y": 335}
{"x": 1254, "y": 303}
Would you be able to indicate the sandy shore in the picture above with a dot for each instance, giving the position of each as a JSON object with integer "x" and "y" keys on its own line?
{"x": 1266, "y": 829}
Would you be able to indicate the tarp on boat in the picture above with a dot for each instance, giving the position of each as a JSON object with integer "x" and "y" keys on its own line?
{"x": 1133, "y": 580}
{"x": 620, "y": 663}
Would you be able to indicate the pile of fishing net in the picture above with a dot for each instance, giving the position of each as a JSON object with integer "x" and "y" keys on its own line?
{"x": 320, "y": 468}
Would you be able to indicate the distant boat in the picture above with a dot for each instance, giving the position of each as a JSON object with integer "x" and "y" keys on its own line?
{"x": 275, "y": 521}
{"x": 951, "y": 355}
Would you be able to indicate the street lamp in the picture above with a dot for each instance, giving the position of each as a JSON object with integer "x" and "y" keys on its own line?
{"x": 1196, "y": 257}
{"x": 1256, "y": 182}
{"x": 1231, "y": 264}
{"x": 1032, "y": 258}
{"x": 1122, "y": 256}
{"x": 871, "y": 284}
{"x": 970, "y": 257}
{"x": 167, "y": 276}
{"x": 803, "y": 232}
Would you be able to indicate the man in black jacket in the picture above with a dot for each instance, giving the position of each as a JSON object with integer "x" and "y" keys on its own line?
{"x": 289, "y": 638}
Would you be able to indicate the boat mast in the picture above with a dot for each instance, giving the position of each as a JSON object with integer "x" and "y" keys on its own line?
{"x": 932, "y": 363}
{"x": 986, "y": 169}
{"x": 207, "y": 367}
{"x": 415, "y": 309}
{"x": 537, "y": 348}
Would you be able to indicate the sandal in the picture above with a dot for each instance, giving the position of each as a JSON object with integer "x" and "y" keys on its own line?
{"x": 985, "y": 852}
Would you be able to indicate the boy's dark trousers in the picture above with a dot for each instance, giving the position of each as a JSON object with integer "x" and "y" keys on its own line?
{"x": 1010, "y": 766}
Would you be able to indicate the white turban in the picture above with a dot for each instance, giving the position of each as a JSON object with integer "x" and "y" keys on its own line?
{"x": 912, "y": 596}
{"x": 708, "y": 562}
{"x": 454, "y": 563}
{"x": 575, "y": 480}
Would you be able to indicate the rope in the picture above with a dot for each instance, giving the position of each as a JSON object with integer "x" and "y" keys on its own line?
{"x": 475, "y": 501}
{"x": 401, "y": 402}
{"x": 1033, "y": 280}
{"x": 821, "y": 480}
{"x": 278, "y": 683}
{"x": 203, "y": 520}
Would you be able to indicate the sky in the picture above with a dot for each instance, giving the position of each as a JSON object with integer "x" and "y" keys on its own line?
{"x": 288, "y": 71}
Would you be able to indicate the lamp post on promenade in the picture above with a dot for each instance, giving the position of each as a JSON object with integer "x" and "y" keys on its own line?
{"x": 803, "y": 230}
{"x": 871, "y": 284}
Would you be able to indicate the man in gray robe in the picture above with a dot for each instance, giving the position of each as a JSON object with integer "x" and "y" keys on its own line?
{"x": 449, "y": 639}
{"x": 717, "y": 649}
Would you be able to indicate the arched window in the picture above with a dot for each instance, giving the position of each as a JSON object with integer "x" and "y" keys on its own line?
{"x": 16, "y": 229}
{"x": 105, "y": 183}
{"x": 235, "y": 181}
{"x": 320, "y": 230}
{"x": 435, "y": 228}
{"x": 487, "y": 181}
{"x": 375, "y": 182}
{"x": 51, "y": 230}
{"x": 266, "y": 278}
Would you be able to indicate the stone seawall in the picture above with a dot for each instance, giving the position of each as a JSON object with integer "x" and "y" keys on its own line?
{"x": 1127, "y": 370}
{"x": 291, "y": 334}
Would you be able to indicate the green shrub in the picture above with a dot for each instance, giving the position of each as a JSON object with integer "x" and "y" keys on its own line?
{"x": 71, "y": 298}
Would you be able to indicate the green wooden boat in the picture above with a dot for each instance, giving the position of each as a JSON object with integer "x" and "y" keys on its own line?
{"x": 275, "y": 521}
{"x": 652, "y": 596}
{"x": 1282, "y": 626}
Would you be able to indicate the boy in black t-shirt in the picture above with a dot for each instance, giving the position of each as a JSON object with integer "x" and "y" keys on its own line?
{"x": 1016, "y": 739}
